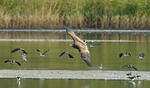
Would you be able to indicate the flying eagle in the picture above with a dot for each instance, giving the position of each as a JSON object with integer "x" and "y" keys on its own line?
{"x": 80, "y": 45}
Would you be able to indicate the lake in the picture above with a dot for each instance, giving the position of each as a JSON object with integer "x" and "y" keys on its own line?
{"x": 104, "y": 49}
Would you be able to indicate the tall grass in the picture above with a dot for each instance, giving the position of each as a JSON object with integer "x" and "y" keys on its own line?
{"x": 78, "y": 13}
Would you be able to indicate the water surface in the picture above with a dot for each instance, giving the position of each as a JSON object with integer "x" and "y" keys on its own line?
{"x": 106, "y": 53}
{"x": 66, "y": 83}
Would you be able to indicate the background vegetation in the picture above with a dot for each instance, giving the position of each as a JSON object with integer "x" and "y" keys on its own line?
{"x": 78, "y": 13}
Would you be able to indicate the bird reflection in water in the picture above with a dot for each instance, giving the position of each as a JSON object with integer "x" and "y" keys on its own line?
{"x": 18, "y": 81}
{"x": 87, "y": 85}
{"x": 134, "y": 84}
{"x": 42, "y": 80}
{"x": 139, "y": 83}
{"x": 131, "y": 84}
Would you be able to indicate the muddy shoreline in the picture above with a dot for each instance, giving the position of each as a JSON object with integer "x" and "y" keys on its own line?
{"x": 73, "y": 74}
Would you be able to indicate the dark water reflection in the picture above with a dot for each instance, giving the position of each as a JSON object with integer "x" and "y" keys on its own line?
{"x": 106, "y": 53}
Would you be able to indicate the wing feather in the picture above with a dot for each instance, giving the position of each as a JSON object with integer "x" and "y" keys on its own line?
{"x": 38, "y": 50}
{"x": 7, "y": 61}
{"x": 70, "y": 56}
{"x": 62, "y": 53}
{"x": 18, "y": 63}
{"x": 14, "y": 50}
{"x": 45, "y": 52}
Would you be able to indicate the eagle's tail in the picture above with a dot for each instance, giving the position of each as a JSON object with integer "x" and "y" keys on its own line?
{"x": 87, "y": 62}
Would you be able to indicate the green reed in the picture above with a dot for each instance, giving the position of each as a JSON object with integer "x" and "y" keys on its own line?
{"x": 77, "y": 13}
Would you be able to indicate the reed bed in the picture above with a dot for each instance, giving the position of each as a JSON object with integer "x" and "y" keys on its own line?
{"x": 126, "y": 14}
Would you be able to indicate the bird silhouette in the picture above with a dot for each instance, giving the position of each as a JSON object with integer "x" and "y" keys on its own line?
{"x": 65, "y": 52}
{"x": 18, "y": 81}
{"x": 17, "y": 49}
{"x": 12, "y": 62}
{"x": 130, "y": 66}
{"x": 141, "y": 56}
{"x": 124, "y": 54}
{"x": 42, "y": 54}
{"x": 80, "y": 45}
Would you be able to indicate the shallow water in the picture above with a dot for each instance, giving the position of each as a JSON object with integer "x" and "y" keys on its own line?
{"x": 106, "y": 53}
{"x": 67, "y": 83}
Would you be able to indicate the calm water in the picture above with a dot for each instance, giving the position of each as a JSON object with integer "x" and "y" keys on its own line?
{"x": 106, "y": 53}
{"x": 44, "y": 83}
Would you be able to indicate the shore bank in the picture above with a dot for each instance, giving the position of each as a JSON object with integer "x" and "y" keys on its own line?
{"x": 73, "y": 74}
{"x": 87, "y": 30}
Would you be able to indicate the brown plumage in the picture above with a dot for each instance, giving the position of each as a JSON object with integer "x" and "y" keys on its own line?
{"x": 80, "y": 45}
